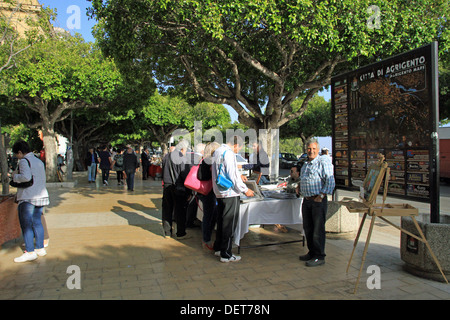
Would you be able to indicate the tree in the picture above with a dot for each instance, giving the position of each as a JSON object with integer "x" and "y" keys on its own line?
{"x": 259, "y": 56}
{"x": 12, "y": 44}
{"x": 315, "y": 122}
{"x": 164, "y": 114}
{"x": 57, "y": 76}
{"x": 444, "y": 88}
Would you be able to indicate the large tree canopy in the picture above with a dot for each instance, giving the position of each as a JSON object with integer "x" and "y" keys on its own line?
{"x": 57, "y": 76}
{"x": 258, "y": 56}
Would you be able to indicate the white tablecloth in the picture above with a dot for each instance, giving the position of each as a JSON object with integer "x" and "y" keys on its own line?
{"x": 268, "y": 211}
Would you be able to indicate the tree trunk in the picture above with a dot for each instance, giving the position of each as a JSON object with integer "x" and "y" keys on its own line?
{"x": 164, "y": 148}
{"x": 77, "y": 157}
{"x": 4, "y": 164}
{"x": 270, "y": 139}
{"x": 50, "y": 155}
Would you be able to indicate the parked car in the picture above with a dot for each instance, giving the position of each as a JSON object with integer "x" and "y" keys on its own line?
{"x": 287, "y": 160}
{"x": 302, "y": 159}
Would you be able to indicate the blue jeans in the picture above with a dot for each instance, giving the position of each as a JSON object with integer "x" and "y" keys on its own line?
{"x": 264, "y": 181}
{"x": 30, "y": 222}
{"x": 130, "y": 180}
{"x": 92, "y": 172}
{"x": 209, "y": 214}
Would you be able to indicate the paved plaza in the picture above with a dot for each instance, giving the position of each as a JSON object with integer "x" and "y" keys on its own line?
{"x": 115, "y": 239}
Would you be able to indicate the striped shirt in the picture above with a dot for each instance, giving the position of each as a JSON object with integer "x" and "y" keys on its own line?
{"x": 317, "y": 177}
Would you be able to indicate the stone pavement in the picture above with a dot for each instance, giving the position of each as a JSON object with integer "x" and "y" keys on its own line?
{"x": 115, "y": 239}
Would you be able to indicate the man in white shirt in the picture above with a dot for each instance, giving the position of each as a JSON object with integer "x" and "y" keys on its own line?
{"x": 228, "y": 200}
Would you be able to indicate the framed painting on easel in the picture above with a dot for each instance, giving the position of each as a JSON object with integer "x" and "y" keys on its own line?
{"x": 369, "y": 192}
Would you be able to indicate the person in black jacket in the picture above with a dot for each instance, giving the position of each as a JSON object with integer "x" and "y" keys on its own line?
{"x": 105, "y": 163}
{"x": 130, "y": 165}
{"x": 175, "y": 196}
{"x": 145, "y": 162}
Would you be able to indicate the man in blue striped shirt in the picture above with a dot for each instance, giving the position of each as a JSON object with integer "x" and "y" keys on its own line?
{"x": 316, "y": 182}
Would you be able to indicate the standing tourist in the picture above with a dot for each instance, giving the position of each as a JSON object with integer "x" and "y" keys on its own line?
{"x": 208, "y": 201}
{"x": 145, "y": 162}
{"x": 130, "y": 165}
{"x": 105, "y": 164}
{"x": 316, "y": 182}
{"x": 92, "y": 160}
{"x": 175, "y": 195}
{"x": 31, "y": 199}
{"x": 228, "y": 200}
{"x": 118, "y": 166}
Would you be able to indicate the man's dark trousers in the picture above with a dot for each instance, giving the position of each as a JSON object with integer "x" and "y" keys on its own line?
{"x": 228, "y": 214}
{"x": 174, "y": 207}
{"x": 167, "y": 208}
{"x": 314, "y": 217}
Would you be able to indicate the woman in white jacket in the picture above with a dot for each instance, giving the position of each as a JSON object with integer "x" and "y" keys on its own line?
{"x": 31, "y": 200}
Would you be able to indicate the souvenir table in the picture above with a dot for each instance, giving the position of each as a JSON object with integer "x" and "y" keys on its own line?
{"x": 286, "y": 212}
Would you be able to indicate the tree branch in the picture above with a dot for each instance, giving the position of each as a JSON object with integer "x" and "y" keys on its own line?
{"x": 286, "y": 118}
{"x": 252, "y": 61}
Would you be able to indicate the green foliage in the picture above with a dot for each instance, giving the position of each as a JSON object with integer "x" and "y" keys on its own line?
{"x": 258, "y": 56}
{"x": 314, "y": 122}
{"x": 11, "y": 42}
{"x": 22, "y": 132}
{"x": 56, "y": 76}
{"x": 444, "y": 90}
{"x": 64, "y": 70}
{"x": 291, "y": 145}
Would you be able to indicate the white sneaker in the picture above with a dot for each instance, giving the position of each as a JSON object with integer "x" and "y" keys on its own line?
{"x": 185, "y": 237}
{"x": 26, "y": 256}
{"x": 40, "y": 252}
{"x": 233, "y": 258}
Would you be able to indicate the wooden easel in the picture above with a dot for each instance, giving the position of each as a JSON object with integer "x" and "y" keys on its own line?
{"x": 368, "y": 206}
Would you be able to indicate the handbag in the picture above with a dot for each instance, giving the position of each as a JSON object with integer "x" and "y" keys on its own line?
{"x": 192, "y": 182}
{"x": 222, "y": 181}
{"x": 25, "y": 184}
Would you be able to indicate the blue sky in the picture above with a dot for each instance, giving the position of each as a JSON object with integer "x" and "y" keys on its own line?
{"x": 71, "y": 16}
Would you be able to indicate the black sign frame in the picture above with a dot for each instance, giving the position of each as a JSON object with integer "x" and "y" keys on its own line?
{"x": 390, "y": 107}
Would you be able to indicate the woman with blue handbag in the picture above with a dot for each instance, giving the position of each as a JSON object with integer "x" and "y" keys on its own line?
{"x": 227, "y": 186}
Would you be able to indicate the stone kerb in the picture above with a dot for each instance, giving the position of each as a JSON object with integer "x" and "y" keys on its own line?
{"x": 415, "y": 254}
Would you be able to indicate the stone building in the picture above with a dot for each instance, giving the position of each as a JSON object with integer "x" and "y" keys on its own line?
{"x": 19, "y": 14}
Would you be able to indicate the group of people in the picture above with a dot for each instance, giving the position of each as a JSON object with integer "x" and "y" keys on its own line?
{"x": 313, "y": 181}
{"x": 220, "y": 206}
{"x": 124, "y": 161}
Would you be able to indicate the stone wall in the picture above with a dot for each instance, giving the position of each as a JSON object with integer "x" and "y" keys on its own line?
{"x": 9, "y": 220}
